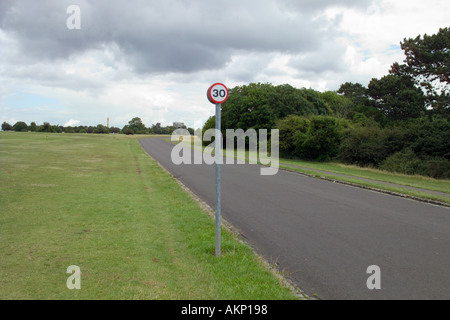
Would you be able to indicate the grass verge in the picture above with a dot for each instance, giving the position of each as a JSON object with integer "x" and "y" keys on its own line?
{"x": 334, "y": 171}
{"x": 355, "y": 175}
{"x": 99, "y": 202}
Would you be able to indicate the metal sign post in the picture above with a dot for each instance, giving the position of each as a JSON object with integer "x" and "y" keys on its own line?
{"x": 218, "y": 94}
{"x": 218, "y": 151}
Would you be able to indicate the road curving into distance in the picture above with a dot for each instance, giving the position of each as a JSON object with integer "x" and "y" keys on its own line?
{"x": 325, "y": 235}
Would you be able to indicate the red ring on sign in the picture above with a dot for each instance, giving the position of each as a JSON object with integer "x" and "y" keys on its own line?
{"x": 213, "y": 100}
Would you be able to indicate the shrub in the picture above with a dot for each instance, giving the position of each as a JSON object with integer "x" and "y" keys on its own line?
{"x": 362, "y": 146}
{"x": 312, "y": 138}
{"x": 406, "y": 162}
{"x": 322, "y": 139}
{"x": 439, "y": 168}
{"x": 6, "y": 126}
{"x": 20, "y": 126}
{"x": 429, "y": 137}
{"x": 291, "y": 130}
{"x": 127, "y": 130}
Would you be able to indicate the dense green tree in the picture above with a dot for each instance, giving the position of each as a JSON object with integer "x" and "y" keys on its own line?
{"x": 114, "y": 130}
{"x": 397, "y": 97}
{"x": 20, "y": 126}
{"x": 367, "y": 115}
{"x": 356, "y": 92}
{"x": 127, "y": 130}
{"x": 260, "y": 106}
{"x": 6, "y": 126}
{"x": 69, "y": 129}
{"x": 101, "y": 129}
{"x": 322, "y": 139}
{"x": 339, "y": 105}
{"x": 362, "y": 146}
{"x": 248, "y": 107}
{"x": 32, "y": 127}
{"x": 46, "y": 127}
{"x": 363, "y": 105}
{"x": 156, "y": 128}
{"x": 428, "y": 137}
{"x": 291, "y": 129}
{"x": 428, "y": 63}
{"x": 311, "y": 138}
{"x": 136, "y": 125}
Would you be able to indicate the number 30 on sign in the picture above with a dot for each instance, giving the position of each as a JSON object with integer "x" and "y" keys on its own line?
{"x": 217, "y": 93}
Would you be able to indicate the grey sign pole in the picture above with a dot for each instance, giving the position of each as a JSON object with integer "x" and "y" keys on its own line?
{"x": 218, "y": 151}
{"x": 218, "y": 94}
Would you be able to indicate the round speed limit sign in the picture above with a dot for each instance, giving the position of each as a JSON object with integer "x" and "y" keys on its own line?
{"x": 217, "y": 93}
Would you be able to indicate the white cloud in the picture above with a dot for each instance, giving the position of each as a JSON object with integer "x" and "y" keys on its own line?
{"x": 72, "y": 123}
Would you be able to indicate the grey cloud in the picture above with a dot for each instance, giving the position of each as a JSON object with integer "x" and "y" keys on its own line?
{"x": 164, "y": 36}
{"x": 329, "y": 58}
{"x": 318, "y": 6}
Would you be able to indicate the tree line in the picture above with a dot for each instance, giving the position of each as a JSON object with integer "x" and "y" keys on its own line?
{"x": 398, "y": 123}
{"x": 134, "y": 126}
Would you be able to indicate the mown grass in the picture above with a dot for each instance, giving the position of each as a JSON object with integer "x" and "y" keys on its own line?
{"x": 99, "y": 202}
{"x": 354, "y": 175}
{"x": 375, "y": 174}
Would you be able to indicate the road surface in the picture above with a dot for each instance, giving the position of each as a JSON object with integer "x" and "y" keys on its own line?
{"x": 325, "y": 235}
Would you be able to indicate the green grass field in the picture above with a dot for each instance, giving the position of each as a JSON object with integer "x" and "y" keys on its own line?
{"x": 99, "y": 202}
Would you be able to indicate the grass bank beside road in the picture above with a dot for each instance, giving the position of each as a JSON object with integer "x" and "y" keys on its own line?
{"x": 414, "y": 186}
{"x": 408, "y": 185}
{"x": 100, "y": 203}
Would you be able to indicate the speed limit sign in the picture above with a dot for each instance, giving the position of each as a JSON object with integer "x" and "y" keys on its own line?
{"x": 217, "y": 93}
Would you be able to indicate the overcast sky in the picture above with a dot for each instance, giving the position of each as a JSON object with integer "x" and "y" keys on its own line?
{"x": 156, "y": 59}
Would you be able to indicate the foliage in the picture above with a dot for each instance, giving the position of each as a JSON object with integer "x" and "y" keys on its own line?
{"x": 355, "y": 92}
{"x": 397, "y": 97}
{"x": 127, "y": 130}
{"x": 407, "y": 162}
{"x": 404, "y": 161}
{"x": 321, "y": 140}
{"x": 6, "y": 126}
{"x": 429, "y": 136}
{"x": 428, "y": 63}
{"x": 136, "y": 125}
{"x": 339, "y": 105}
{"x": 20, "y": 126}
{"x": 313, "y": 138}
{"x": 32, "y": 127}
{"x": 290, "y": 129}
{"x": 101, "y": 129}
{"x": 114, "y": 130}
{"x": 260, "y": 106}
{"x": 362, "y": 146}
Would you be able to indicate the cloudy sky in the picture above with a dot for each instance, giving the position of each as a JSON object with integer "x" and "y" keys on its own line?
{"x": 156, "y": 59}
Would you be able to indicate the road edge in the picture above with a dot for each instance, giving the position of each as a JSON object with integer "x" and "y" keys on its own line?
{"x": 283, "y": 278}
{"x": 361, "y": 186}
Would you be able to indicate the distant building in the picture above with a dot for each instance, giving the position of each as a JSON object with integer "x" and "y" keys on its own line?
{"x": 179, "y": 125}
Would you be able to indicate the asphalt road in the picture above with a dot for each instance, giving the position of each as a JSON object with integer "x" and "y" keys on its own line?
{"x": 325, "y": 235}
